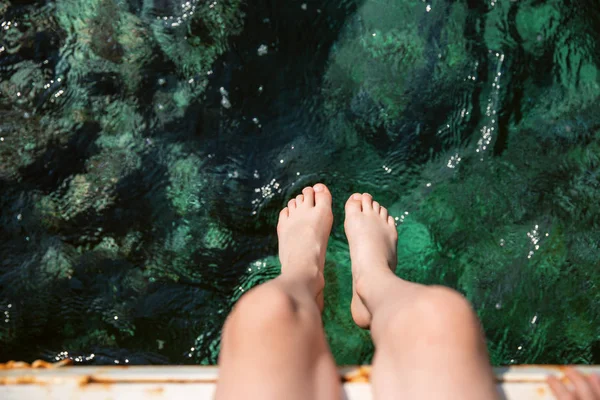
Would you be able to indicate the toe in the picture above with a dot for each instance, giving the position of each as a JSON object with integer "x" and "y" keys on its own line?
{"x": 292, "y": 205}
{"x": 299, "y": 200}
{"x": 367, "y": 202}
{"x": 322, "y": 195}
{"x": 283, "y": 214}
{"x": 391, "y": 221}
{"x": 354, "y": 203}
{"x": 383, "y": 212}
{"x": 309, "y": 196}
{"x": 376, "y": 207}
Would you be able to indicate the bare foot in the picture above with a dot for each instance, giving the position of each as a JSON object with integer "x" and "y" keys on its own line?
{"x": 303, "y": 231}
{"x": 372, "y": 237}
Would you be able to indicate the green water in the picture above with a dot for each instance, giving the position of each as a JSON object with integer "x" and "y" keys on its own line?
{"x": 146, "y": 147}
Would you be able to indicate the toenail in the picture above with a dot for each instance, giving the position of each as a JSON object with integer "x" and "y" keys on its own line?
{"x": 319, "y": 188}
{"x": 356, "y": 196}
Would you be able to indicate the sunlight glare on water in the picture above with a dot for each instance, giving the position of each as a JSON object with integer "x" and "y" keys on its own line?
{"x": 146, "y": 148}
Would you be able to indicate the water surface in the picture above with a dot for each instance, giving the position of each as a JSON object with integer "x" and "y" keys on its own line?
{"x": 146, "y": 147}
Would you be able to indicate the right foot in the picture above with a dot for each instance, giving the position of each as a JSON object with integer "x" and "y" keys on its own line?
{"x": 372, "y": 237}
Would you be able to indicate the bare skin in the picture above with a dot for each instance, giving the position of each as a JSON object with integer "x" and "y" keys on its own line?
{"x": 581, "y": 387}
{"x": 273, "y": 343}
{"x": 422, "y": 334}
{"x": 372, "y": 237}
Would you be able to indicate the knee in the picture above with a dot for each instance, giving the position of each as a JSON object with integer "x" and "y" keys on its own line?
{"x": 440, "y": 313}
{"x": 447, "y": 307}
{"x": 260, "y": 309}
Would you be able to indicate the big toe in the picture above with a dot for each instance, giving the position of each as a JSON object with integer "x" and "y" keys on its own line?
{"x": 322, "y": 195}
{"x": 354, "y": 203}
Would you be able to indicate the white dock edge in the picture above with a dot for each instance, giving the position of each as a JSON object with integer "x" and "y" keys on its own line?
{"x": 185, "y": 382}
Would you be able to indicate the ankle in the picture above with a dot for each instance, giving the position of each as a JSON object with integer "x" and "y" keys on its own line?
{"x": 308, "y": 274}
{"x": 371, "y": 283}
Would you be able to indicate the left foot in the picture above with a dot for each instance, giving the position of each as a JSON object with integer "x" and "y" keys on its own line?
{"x": 303, "y": 231}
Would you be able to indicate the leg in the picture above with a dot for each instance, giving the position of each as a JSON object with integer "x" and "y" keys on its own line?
{"x": 429, "y": 343}
{"x": 273, "y": 344}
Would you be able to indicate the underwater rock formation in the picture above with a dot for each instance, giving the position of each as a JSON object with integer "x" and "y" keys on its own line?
{"x": 146, "y": 148}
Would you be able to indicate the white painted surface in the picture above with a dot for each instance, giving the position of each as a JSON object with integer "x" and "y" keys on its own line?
{"x": 186, "y": 382}
{"x": 180, "y": 391}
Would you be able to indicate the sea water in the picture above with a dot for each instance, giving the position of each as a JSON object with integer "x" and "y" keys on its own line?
{"x": 147, "y": 146}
